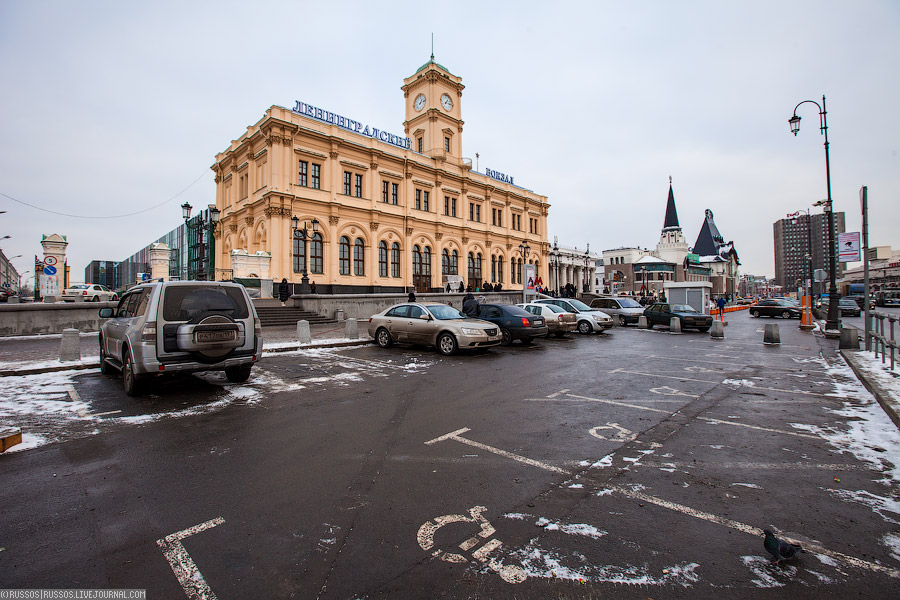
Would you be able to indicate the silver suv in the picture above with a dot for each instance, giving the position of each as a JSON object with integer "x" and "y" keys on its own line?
{"x": 180, "y": 327}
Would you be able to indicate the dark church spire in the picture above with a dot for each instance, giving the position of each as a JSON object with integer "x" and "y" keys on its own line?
{"x": 671, "y": 221}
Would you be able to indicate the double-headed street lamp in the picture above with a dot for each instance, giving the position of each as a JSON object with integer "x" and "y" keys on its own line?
{"x": 204, "y": 229}
{"x": 586, "y": 280}
{"x": 833, "y": 322}
{"x": 524, "y": 250}
{"x": 303, "y": 234}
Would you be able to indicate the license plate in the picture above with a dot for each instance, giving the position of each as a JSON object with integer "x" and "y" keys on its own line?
{"x": 215, "y": 336}
{"x": 538, "y": 323}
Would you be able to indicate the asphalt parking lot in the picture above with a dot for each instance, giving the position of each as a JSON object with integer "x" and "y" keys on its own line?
{"x": 633, "y": 464}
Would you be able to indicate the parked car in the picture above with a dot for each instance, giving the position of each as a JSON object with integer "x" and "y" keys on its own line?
{"x": 558, "y": 320}
{"x": 515, "y": 323}
{"x": 589, "y": 319}
{"x": 662, "y": 313}
{"x": 775, "y": 308}
{"x": 4, "y": 295}
{"x": 438, "y": 325}
{"x": 847, "y": 307}
{"x": 89, "y": 292}
{"x": 623, "y": 310}
{"x": 180, "y": 327}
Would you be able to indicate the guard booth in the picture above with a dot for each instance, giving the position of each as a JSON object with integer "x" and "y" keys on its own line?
{"x": 692, "y": 293}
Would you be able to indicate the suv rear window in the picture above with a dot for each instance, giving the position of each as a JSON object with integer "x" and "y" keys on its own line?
{"x": 185, "y": 302}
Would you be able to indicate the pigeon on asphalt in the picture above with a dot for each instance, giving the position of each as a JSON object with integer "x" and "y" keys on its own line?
{"x": 780, "y": 549}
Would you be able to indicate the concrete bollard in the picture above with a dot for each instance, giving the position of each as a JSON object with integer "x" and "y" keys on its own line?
{"x": 643, "y": 323}
{"x": 717, "y": 331}
{"x": 339, "y": 314}
{"x": 771, "y": 335}
{"x": 352, "y": 329}
{"x": 69, "y": 347}
{"x": 674, "y": 325}
{"x": 849, "y": 339}
{"x": 303, "y": 334}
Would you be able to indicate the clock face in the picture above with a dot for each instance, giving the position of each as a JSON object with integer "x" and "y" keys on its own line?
{"x": 446, "y": 102}
{"x": 420, "y": 102}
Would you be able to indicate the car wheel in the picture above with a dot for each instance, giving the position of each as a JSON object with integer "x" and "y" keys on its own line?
{"x": 622, "y": 321}
{"x": 129, "y": 378}
{"x": 584, "y": 327}
{"x": 383, "y": 338}
{"x": 446, "y": 344}
{"x": 527, "y": 341}
{"x": 105, "y": 367}
{"x": 95, "y": 299}
{"x": 505, "y": 337}
{"x": 113, "y": 298}
{"x": 754, "y": 313}
{"x": 238, "y": 374}
{"x": 786, "y": 315}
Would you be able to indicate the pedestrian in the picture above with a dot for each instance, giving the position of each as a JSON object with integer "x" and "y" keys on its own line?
{"x": 448, "y": 287}
{"x": 312, "y": 287}
{"x": 470, "y": 305}
{"x": 721, "y": 304}
{"x": 412, "y": 297}
{"x": 284, "y": 291}
{"x": 462, "y": 288}
{"x": 498, "y": 287}
{"x": 487, "y": 287}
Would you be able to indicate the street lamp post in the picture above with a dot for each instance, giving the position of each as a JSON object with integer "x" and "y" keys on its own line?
{"x": 586, "y": 283}
{"x": 554, "y": 263}
{"x": 207, "y": 228}
{"x": 303, "y": 234}
{"x": 833, "y": 322}
{"x": 524, "y": 249}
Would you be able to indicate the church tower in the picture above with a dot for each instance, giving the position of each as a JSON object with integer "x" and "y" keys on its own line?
{"x": 672, "y": 246}
{"x": 433, "y": 112}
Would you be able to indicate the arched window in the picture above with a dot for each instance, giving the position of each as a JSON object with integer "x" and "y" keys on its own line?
{"x": 500, "y": 269}
{"x": 471, "y": 270}
{"x": 426, "y": 262}
{"x": 316, "y": 254}
{"x": 445, "y": 262}
{"x": 512, "y": 270}
{"x": 493, "y": 269}
{"x": 416, "y": 260}
{"x": 382, "y": 259}
{"x": 454, "y": 263}
{"x": 344, "y": 255}
{"x": 519, "y": 271}
{"x": 299, "y": 255}
{"x": 359, "y": 257}
{"x": 395, "y": 260}
{"x": 479, "y": 278}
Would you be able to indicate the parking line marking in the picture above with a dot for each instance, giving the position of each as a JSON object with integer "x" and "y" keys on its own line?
{"x": 674, "y": 464}
{"x": 455, "y": 435}
{"x": 686, "y": 510}
{"x": 183, "y": 566}
{"x": 721, "y": 382}
{"x": 758, "y": 428}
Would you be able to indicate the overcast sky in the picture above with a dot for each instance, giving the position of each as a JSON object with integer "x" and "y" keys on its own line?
{"x": 111, "y": 108}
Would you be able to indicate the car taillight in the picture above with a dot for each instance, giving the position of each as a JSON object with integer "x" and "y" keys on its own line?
{"x": 84, "y": 293}
{"x": 148, "y": 333}
{"x": 559, "y": 318}
{"x": 257, "y": 328}
{"x": 526, "y": 322}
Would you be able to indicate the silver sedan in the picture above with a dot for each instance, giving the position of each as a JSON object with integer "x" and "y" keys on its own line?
{"x": 438, "y": 325}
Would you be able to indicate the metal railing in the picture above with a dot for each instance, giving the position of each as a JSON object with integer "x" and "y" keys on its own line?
{"x": 877, "y": 336}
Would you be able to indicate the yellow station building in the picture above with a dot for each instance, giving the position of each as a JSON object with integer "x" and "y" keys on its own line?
{"x": 382, "y": 212}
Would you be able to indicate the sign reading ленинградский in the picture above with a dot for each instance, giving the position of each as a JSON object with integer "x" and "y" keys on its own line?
{"x": 331, "y": 118}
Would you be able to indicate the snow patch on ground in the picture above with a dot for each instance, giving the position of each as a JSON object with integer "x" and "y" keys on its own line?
{"x": 892, "y": 541}
{"x": 878, "y": 504}
{"x": 571, "y": 528}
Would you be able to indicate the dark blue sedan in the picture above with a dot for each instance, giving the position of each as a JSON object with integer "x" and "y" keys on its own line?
{"x": 515, "y": 323}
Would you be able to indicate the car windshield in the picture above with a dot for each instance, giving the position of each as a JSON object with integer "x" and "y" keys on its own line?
{"x": 579, "y": 304}
{"x": 629, "y": 303}
{"x": 682, "y": 308}
{"x": 847, "y": 302}
{"x": 445, "y": 312}
{"x": 555, "y": 309}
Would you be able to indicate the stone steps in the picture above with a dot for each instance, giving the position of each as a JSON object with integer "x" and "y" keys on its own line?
{"x": 275, "y": 316}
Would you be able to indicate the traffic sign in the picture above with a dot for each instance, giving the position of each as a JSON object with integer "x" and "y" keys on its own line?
{"x": 49, "y": 270}
{"x": 50, "y": 260}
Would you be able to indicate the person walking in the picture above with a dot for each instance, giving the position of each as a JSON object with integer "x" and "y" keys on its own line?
{"x": 721, "y": 304}
{"x": 470, "y": 305}
{"x": 284, "y": 290}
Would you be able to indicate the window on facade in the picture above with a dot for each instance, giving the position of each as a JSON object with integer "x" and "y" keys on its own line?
{"x": 426, "y": 261}
{"x": 417, "y": 260}
{"x": 347, "y": 183}
{"x": 512, "y": 270}
{"x": 344, "y": 256}
{"x": 244, "y": 181}
{"x": 394, "y": 193}
{"x": 382, "y": 259}
{"x": 420, "y": 143}
{"x": 418, "y": 199}
{"x": 358, "y": 186}
{"x": 446, "y": 144}
{"x": 454, "y": 263}
{"x": 475, "y": 212}
{"x": 452, "y": 207}
{"x": 499, "y": 269}
{"x": 316, "y": 254}
{"x": 425, "y": 200}
{"x": 445, "y": 262}
{"x": 384, "y": 191}
{"x": 395, "y": 260}
{"x": 302, "y": 171}
{"x": 299, "y": 255}
{"x": 359, "y": 257}
{"x": 493, "y": 269}
{"x": 316, "y": 176}
{"x": 519, "y": 270}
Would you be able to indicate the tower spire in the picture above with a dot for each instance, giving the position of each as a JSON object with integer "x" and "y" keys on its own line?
{"x": 671, "y": 214}
{"x": 432, "y": 45}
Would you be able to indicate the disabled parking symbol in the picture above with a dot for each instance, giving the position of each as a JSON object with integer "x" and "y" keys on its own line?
{"x": 425, "y": 537}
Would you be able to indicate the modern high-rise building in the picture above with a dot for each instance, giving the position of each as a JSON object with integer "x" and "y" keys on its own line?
{"x": 800, "y": 238}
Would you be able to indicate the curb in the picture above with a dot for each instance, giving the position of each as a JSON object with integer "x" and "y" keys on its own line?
{"x": 890, "y": 405}
{"x": 85, "y": 366}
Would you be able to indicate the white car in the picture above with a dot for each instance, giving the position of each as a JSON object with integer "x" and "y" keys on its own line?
{"x": 89, "y": 292}
{"x": 589, "y": 319}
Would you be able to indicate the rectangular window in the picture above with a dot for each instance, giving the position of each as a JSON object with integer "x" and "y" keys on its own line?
{"x": 471, "y": 211}
{"x": 446, "y": 144}
{"x": 394, "y": 187}
{"x": 316, "y": 176}
{"x": 418, "y": 199}
{"x": 425, "y": 203}
{"x": 358, "y": 185}
{"x": 447, "y": 205}
{"x": 478, "y": 213}
{"x": 302, "y": 172}
{"x": 452, "y": 207}
{"x": 419, "y": 143}
{"x": 346, "y": 183}
{"x": 384, "y": 191}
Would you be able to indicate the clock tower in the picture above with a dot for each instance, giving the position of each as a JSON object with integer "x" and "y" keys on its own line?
{"x": 433, "y": 120}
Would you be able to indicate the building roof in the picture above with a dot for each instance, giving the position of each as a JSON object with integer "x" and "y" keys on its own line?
{"x": 431, "y": 62}
{"x": 651, "y": 259}
{"x": 671, "y": 221}
{"x": 710, "y": 242}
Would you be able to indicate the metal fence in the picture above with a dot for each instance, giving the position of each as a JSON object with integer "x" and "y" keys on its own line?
{"x": 880, "y": 341}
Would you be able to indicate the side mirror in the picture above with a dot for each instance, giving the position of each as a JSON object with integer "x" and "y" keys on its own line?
{"x": 106, "y": 313}
{"x": 425, "y": 317}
